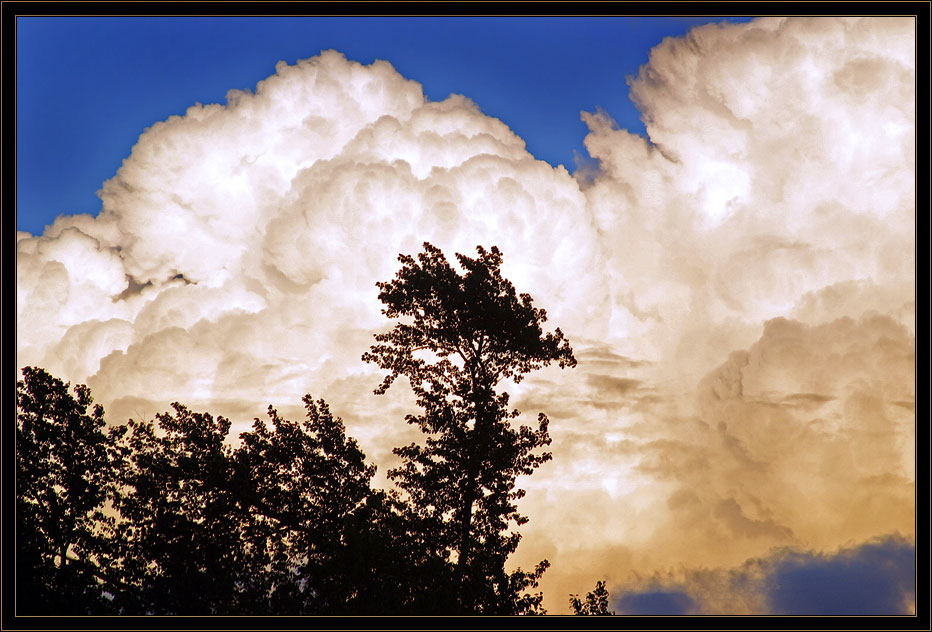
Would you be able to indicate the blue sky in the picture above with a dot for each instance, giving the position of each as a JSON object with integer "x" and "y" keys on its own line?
{"x": 87, "y": 87}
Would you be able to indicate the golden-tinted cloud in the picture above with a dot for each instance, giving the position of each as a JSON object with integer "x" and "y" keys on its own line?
{"x": 738, "y": 287}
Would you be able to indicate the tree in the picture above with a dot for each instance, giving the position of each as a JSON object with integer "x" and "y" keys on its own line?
{"x": 166, "y": 517}
{"x": 458, "y": 337}
{"x": 275, "y": 526}
{"x": 177, "y": 539}
{"x": 596, "y": 602}
{"x": 286, "y": 523}
{"x": 63, "y": 479}
{"x": 333, "y": 544}
{"x": 303, "y": 483}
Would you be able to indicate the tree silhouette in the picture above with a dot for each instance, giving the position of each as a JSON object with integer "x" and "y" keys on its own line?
{"x": 177, "y": 539}
{"x": 458, "y": 337}
{"x": 307, "y": 485}
{"x": 280, "y": 525}
{"x": 335, "y": 546}
{"x": 167, "y": 517}
{"x": 63, "y": 479}
{"x": 596, "y": 602}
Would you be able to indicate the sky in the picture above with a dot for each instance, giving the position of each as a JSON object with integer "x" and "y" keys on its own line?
{"x": 204, "y": 207}
{"x": 87, "y": 87}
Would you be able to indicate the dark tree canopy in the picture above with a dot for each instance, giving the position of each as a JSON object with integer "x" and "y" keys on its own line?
{"x": 169, "y": 517}
{"x": 596, "y": 602}
{"x": 476, "y": 316}
{"x": 166, "y": 517}
{"x": 301, "y": 480}
{"x": 457, "y": 337}
{"x": 178, "y": 530}
{"x": 325, "y": 535}
{"x": 63, "y": 479}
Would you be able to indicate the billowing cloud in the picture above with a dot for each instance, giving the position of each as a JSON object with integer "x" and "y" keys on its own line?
{"x": 805, "y": 439}
{"x": 738, "y": 287}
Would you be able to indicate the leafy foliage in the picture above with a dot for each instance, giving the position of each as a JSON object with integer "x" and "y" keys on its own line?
{"x": 172, "y": 520}
{"x": 476, "y": 331}
{"x": 63, "y": 479}
{"x": 168, "y": 517}
{"x": 596, "y": 602}
{"x": 314, "y": 514}
{"x": 177, "y": 540}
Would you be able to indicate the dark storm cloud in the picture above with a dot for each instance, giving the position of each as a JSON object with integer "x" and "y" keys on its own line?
{"x": 656, "y": 603}
{"x": 877, "y": 578}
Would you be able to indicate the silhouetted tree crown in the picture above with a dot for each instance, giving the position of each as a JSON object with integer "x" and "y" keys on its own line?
{"x": 165, "y": 517}
{"x": 168, "y": 517}
{"x": 476, "y": 316}
{"x": 596, "y": 602}
{"x": 178, "y": 533}
{"x": 63, "y": 478}
{"x": 461, "y": 482}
